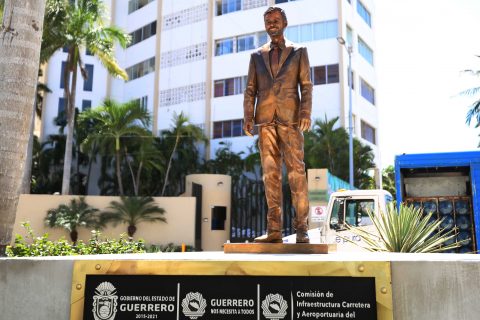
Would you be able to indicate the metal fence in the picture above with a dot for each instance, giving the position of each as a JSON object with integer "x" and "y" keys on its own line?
{"x": 249, "y": 210}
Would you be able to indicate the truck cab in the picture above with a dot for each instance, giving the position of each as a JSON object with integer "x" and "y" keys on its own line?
{"x": 347, "y": 207}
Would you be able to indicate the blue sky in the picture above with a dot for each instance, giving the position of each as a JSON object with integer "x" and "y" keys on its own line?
{"x": 421, "y": 48}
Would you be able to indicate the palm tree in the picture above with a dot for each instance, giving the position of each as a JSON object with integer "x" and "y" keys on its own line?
{"x": 388, "y": 180}
{"x": 474, "y": 111}
{"x": 132, "y": 210}
{"x": 114, "y": 122}
{"x": 70, "y": 217}
{"x": 327, "y": 147}
{"x": 77, "y": 25}
{"x": 21, "y": 28}
{"x": 181, "y": 130}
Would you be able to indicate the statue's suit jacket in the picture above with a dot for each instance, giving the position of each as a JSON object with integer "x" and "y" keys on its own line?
{"x": 278, "y": 95}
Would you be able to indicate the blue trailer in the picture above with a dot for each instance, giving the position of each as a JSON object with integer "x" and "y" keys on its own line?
{"x": 447, "y": 184}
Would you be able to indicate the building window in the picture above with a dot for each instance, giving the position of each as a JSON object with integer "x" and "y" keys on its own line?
{"x": 62, "y": 75}
{"x": 313, "y": 31}
{"x": 65, "y": 49}
{"x": 88, "y": 82}
{"x": 143, "y": 101}
{"x": 134, "y": 5}
{"x": 229, "y": 87}
{"x": 364, "y": 13}
{"x": 88, "y": 52}
{"x": 61, "y": 119}
{"x": 245, "y": 43}
{"x": 349, "y": 36}
{"x": 143, "y": 33}
{"x": 325, "y": 74}
{"x": 228, "y": 6}
{"x": 228, "y": 129}
{"x": 367, "y": 91}
{"x": 140, "y": 69}
{"x": 240, "y": 43}
{"x": 365, "y": 51}
{"x": 224, "y": 46}
{"x": 86, "y": 105}
{"x": 368, "y": 132}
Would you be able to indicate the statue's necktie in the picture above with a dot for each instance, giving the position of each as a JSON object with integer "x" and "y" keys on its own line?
{"x": 274, "y": 61}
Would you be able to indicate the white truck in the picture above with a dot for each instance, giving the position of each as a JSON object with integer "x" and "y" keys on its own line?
{"x": 348, "y": 206}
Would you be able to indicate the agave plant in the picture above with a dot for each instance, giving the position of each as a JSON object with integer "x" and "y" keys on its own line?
{"x": 132, "y": 210}
{"x": 77, "y": 214}
{"x": 405, "y": 230}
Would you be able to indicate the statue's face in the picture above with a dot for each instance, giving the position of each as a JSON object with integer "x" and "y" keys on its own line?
{"x": 274, "y": 24}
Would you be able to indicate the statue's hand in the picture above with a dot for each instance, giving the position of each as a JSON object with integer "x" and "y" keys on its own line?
{"x": 248, "y": 128}
{"x": 305, "y": 124}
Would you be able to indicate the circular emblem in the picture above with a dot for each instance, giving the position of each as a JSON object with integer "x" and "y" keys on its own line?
{"x": 194, "y": 305}
{"x": 274, "y": 307}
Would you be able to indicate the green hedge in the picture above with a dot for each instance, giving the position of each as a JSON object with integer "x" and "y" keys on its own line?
{"x": 33, "y": 246}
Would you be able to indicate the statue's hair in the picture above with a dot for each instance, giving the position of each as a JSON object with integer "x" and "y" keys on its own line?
{"x": 273, "y": 9}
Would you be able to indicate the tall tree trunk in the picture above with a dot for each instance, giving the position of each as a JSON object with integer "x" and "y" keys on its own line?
{"x": 67, "y": 162}
{"x": 117, "y": 166}
{"x": 27, "y": 175}
{"x": 20, "y": 40}
{"x": 170, "y": 164}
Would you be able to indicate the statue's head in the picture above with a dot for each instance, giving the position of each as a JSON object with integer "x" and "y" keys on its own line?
{"x": 275, "y": 21}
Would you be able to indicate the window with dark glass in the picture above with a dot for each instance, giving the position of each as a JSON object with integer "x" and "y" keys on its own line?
{"x": 325, "y": 74}
{"x": 61, "y": 119}
{"x": 88, "y": 52}
{"x": 86, "y": 104}
{"x": 237, "y": 129}
{"x": 227, "y": 129}
{"x": 368, "y": 132}
{"x": 88, "y": 82}
{"x": 134, "y": 5}
{"x": 62, "y": 75}
{"x": 143, "y": 33}
{"x": 217, "y": 130}
{"x": 230, "y": 86}
{"x": 319, "y": 75}
{"x": 219, "y": 88}
{"x": 367, "y": 91}
{"x": 332, "y": 73}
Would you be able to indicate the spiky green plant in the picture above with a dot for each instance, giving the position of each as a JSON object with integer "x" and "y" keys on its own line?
{"x": 132, "y": 210}
{"x": 77, "y": 214}
{"x": 405, "y": 230}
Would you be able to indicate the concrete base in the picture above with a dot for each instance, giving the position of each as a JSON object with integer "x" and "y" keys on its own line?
{"x": 425, "y": 286}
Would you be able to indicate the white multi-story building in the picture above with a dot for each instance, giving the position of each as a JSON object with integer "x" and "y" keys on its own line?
{"x": 192, "y": 56}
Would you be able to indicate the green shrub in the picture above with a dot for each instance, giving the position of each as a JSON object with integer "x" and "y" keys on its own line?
{"x": 32, "y": 246}
{"x": 170, "y": 247}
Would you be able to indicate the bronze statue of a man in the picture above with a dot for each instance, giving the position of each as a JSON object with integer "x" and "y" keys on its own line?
{"x": 272, "y": 102}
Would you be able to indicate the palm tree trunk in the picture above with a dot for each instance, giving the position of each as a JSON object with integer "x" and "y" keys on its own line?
{"x": 27, "y": 175}
{"x": 117, "y": 166}
{"x": 89, "y": 170}
{"x": 170, "y": 164}
{"x": 67, "y": 162}
{"x": 19, "y": 57}
{"x": 135, "y": 191}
